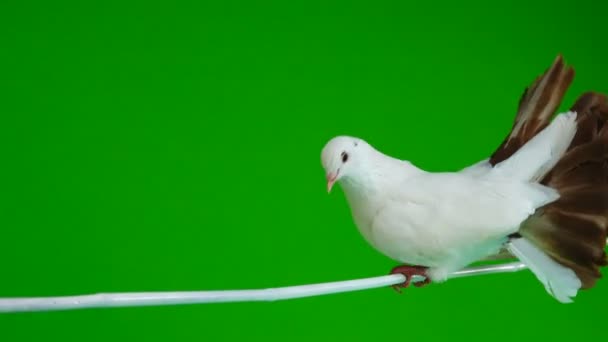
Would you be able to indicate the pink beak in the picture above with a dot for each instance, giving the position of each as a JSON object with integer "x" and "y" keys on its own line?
{"x": 331, "y": 179}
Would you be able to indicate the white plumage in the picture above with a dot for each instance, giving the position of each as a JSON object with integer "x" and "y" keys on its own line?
{"x": 561, "y": 282}
{"x": 447, "y": 220}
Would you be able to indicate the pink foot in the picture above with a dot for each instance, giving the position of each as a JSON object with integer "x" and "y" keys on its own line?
{"x": 409, "y": 272}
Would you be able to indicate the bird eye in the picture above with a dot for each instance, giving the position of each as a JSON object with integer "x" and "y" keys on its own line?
{"x": 344, "y": 157}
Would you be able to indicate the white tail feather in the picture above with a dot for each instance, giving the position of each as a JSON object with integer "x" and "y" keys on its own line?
{"x": 561, "y": 282}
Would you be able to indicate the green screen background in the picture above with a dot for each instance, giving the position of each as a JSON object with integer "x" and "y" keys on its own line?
{"x": 150, "y": 146}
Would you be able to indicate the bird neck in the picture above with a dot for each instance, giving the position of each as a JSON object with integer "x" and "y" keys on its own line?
{"x": 367, "y": 188}
{"x": 379, "y": 177}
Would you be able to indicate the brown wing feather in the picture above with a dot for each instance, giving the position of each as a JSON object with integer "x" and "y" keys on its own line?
{"x": 573, "y": 229}
{"x": 536, "y": 107}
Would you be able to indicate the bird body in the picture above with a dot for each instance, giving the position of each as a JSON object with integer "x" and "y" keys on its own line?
{"x": 444, "y": 221}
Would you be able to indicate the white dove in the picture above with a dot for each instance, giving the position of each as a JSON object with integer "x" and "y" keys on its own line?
{"x": 543, "y": 195}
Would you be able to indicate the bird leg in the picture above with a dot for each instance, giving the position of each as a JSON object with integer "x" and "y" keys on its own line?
{"x": 409, "y": 272}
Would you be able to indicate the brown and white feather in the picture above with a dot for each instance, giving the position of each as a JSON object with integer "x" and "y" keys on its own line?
{"x": 573, "y": 229}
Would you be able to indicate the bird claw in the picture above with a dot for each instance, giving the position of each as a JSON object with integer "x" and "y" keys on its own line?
{"x": 409, "y": 272}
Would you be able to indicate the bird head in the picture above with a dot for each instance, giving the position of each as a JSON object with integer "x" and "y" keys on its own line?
{"x": 341, "y": 157}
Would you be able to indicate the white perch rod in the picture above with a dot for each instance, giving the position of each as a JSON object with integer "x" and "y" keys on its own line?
{"x": 104, "y": 300}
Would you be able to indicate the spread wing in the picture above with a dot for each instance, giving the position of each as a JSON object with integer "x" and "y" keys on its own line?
{"x": 537, "y": 106}
{"x": 573, "y": 229}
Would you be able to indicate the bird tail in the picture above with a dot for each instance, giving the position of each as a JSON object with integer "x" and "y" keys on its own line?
{"x": 561, "y": 282}
{"x": 572, "y": 230}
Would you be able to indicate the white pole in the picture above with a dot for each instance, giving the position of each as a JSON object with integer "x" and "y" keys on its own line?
{"x": 102, "y": 300}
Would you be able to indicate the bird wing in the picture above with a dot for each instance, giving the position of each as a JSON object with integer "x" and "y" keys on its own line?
{"x": 572, "y": 229}
{"x": 448, "y": 219}
{"x": 540, "y": 154}
{"x": 469, "y": 201}
{"x": 536, "y": 108}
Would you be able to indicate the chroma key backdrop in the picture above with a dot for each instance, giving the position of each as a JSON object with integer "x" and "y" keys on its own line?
{"x": 172, "y": 146}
